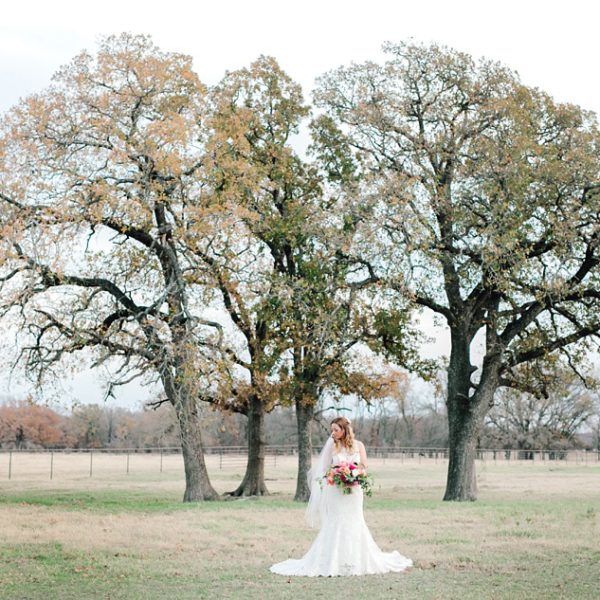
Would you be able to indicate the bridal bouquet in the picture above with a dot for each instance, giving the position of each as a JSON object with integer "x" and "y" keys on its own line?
{"x": 346, "y": 476}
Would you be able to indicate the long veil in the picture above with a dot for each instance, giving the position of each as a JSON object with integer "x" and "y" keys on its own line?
{"x": 317, "y": 503}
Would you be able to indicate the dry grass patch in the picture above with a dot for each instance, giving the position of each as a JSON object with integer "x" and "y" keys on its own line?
{"x": 533, "y": 534}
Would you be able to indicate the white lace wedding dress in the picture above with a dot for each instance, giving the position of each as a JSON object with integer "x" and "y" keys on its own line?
{"x": 344, "y": 545}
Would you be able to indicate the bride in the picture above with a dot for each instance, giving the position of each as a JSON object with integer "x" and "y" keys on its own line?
{"x": 344, "y": 545}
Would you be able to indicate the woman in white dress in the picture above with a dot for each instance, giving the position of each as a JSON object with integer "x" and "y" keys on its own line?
{"x": 344, "y": 545}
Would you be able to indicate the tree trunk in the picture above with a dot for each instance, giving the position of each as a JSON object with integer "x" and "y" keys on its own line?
{"x": 461, "y": 483}
{"x": 465, "y": 414}
{"x": 304, "y": 415}
{"x": 197, "y": 481}
{"x": 253, "y": 483}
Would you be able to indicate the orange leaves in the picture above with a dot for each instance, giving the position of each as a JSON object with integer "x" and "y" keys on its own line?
{"x": 371, "y": 384}
{"x": 26, "y": 424}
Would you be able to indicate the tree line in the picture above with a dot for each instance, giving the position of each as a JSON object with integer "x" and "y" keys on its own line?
{"x": 517, "y": 421}
{"x": 174, "y": 232}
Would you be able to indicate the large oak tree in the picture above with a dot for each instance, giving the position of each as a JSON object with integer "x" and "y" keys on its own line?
{"x": 488, "y": 199}
{"x": 101, "y": 182}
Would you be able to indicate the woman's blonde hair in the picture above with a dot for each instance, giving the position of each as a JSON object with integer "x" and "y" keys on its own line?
{"x": 347, "y": 439}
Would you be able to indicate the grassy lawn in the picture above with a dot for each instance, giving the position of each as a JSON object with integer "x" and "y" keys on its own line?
{"x": 534, "y": 533}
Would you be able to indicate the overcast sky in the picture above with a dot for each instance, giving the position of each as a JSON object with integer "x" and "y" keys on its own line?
{"x": 553, "y": 45}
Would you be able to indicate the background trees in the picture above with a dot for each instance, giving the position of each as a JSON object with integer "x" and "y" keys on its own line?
{"x": 544, "y": 418}
{"x": 522, "y": 424}
{"x": 176, "y": 234}
{"x": 24, "y": 425}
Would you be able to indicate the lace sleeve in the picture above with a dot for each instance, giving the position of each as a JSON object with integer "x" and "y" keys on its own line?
{"x": 317, "y": 506}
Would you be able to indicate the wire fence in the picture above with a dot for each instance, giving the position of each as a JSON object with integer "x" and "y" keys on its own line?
{"x": 511, "y": 455}
{"x": 43, "y": 462}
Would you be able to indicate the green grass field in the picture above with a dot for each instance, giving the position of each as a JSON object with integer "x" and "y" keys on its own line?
{"x": 534, "y": 534}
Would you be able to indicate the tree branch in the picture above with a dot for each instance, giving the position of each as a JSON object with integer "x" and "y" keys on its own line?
{"x": 528, "y": 355}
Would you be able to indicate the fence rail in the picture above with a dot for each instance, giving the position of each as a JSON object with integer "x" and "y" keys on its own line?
{"x": 570, "y": 455}
{"x": 494, "y": 454}
{"x": 292, "y": 449}
{"x": 220, "y": 457}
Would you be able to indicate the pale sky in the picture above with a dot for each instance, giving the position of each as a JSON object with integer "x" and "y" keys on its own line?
{"x": 553, "y": 45}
